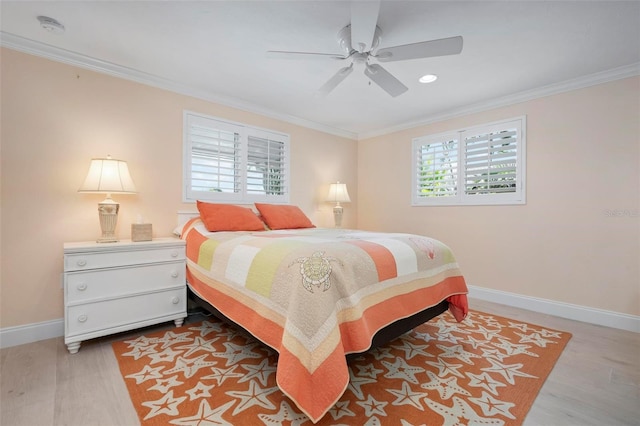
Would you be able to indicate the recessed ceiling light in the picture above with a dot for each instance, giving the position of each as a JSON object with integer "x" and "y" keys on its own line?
{"x": 429, "y": 78}
{"x": 51, "y": 25}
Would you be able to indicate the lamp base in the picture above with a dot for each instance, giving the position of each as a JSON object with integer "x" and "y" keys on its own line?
{"x": 108, "y": 213}
{"x": 337, "y": 215}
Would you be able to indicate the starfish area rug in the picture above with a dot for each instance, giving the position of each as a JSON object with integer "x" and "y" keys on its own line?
{"x": 486, "y": 370}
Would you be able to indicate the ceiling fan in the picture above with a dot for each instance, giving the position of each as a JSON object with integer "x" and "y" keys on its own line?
{"x": 359, "y": 42}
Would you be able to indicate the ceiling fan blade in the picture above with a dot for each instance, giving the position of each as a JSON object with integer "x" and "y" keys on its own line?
{"x": 364, "y": 18}
{"x": 385, "y": 80}
{"x": 335, "y": 80}
{"x": 425, "y": 49}
{"x": 281, "y": 54}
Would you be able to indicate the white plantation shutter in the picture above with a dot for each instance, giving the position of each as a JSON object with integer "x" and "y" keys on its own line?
{"x": 230, "y": 162}
{"x": 266, "y": 167}
{"x": 491, "y": 167}
{"x": 436, "y": 163}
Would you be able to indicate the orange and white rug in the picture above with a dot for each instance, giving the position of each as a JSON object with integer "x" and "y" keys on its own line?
{"x": 486, "y": 370}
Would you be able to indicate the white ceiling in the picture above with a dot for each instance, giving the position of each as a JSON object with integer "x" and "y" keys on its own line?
{"x": 216, "y": 50}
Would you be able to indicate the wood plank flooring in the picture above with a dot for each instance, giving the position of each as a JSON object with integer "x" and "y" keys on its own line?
{"x": 595, "y": 382}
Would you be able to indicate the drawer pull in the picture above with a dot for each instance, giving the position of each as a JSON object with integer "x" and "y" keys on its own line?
{"x": 175, "y": 274}
{"x": 82, "y": 318}
{"x": 175, "y": 300}
{"x": 81, "y": 262}
{"x": 82, "y": 286}
{"x": 174, "y": 253}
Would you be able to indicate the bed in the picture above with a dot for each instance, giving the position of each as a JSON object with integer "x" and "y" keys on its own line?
{"x": 316, "y": 295}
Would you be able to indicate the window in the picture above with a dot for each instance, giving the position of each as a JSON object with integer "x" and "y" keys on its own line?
{"x": 232, "y": 162}
{"x": 480, "y": 165}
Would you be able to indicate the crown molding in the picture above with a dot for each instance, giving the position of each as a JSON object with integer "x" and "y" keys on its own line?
{"x": 540, "y": 92}
{"x": 14, "y": 42}
{"x": 57, "y": 54}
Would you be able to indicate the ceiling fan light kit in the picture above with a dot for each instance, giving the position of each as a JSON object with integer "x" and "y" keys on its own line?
{"x": 359, "y": 42}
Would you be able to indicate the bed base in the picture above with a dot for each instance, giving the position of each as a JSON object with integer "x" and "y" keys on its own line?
{"x": 381, "y": 338}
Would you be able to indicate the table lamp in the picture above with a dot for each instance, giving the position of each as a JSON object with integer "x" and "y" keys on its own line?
{"x": 338, "y": 194}
{"x": 108, "y": 176}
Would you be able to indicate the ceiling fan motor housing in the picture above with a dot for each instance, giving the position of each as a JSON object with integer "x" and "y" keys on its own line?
{"x": 344, "y": 40}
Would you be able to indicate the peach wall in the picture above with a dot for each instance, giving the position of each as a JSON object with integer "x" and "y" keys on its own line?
{"x": 56, "y": 117}
{"x": 577, "y": 240}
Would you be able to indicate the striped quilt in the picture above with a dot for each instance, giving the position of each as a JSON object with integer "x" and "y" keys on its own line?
{"x": 315, "y": 295}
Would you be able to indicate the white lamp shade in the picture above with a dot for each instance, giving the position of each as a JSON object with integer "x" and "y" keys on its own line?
{"x": 107, "y": 175}
{"x": 338, "y": 193}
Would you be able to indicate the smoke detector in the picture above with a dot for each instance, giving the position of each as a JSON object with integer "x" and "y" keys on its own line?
{"x": 51, "y": 25}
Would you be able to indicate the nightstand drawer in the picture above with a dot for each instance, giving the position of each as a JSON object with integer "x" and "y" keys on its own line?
{"x": 92, "y": 317}
{"x": 116, "y": 282}
{"x": 107, "y": 259}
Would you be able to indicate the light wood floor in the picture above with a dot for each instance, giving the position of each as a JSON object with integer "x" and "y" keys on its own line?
{"x": 595, "y": 382}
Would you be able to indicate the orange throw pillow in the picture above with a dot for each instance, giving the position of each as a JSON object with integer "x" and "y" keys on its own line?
{"x": 227, "y": 217}
{"x": 283, "y": 217}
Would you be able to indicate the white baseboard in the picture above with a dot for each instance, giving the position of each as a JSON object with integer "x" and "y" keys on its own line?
{"x": 29, "y": 333}
{"x": 559, "y": 309}
{"x": 14, "y": 336}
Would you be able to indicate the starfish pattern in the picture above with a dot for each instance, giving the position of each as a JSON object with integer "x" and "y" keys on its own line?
{"x": 356, "y": 383}
{"x": 222, "y": 374}
{"x": 171, "y": 338}
{"x": 490, "y": 320}
{"x": 447, "y": 327}
{"x": 206, "y": 416}
{"x": 341, "y": 409}
{"x": 480, "y": 396}
{"x": 494, "y": 353}
{"x": 399, "y": 369}
{"x": 458, "y": 352}
{"x": 535, "y": 338}
{"x": 200, "y": 390}
{"x": 167, "y": 355}
{"x": 491, "y": 406}
{"x": 475, "y": 343}
{"x": 163, "y": 385}
{"x": 446, "y": 387}
{"x": 147, "y": 373}
{"x": 190, "y": 366}
{"x": 460, "y": 413}
{"x": 286, "y": 415}
{"x": 406, "y": 396}
{"x": 236, "y": 353}
{"x": 141, "y": 341}
{"x": 261, "y": 372}
{"x": 255, "y": 395}
{"x": 484, "y": 380}
{"x": 368, "y": 371}
{"x": 519, "y": 326}
{"x": 444, "y": 368}
{"x": 373, "y": 421}
{"x": 411, "y": 350}
{"x": 373, "y": 406}
{"x": 381, "y": 353}
{"x": 487, "y": 333}
{"x": 207, "y": 327}
{"x": 166, "y": 405}
{"x": 509, "y": 372}
{"x": 448, "y": 337}
{"x": 514, "y": 349}
{"x": 426, "y": 337}
{"x": 199, "y": 344}
{"x": 139, "y": 351}
{"x": 550, "y": 333}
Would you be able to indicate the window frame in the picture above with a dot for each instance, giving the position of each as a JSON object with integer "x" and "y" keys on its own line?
{"x": 244, "y": 132}
{"x": 461, "y": 136}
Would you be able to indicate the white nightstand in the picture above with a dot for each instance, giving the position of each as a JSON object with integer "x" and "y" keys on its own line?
{"x": 114, "y": 287}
